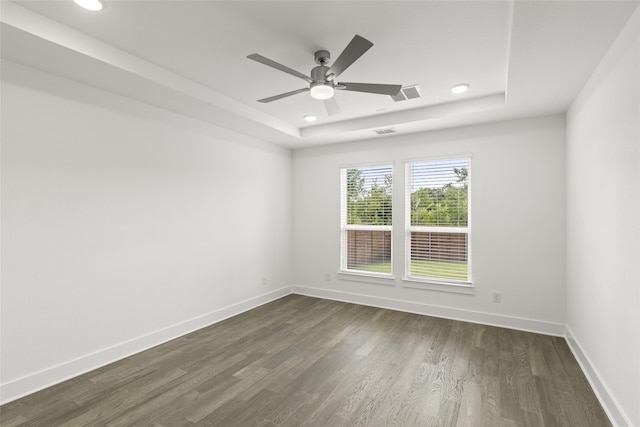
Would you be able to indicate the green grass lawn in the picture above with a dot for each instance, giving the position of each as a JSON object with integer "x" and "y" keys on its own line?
{"x": 439, "y": 269}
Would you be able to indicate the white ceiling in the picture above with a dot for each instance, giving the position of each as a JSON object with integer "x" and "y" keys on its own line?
{"x": 521, "y": 58}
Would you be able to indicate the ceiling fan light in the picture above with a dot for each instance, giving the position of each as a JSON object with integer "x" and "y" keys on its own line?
{"x": 93, "y": 5}
{"x": 321, "y": 91}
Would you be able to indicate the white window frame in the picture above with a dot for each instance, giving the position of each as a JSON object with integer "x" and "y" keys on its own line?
{"x": 433, "y": 283}
{"x": 351, "y": 274}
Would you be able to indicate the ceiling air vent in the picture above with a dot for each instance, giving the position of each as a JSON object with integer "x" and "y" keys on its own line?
{"x": 384, "y": 131}
{"x": 407, "y": 92}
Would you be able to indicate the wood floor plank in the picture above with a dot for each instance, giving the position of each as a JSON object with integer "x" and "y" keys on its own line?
{"x": 527, "y": 390}
{"x": 331, "y": 393}
{"x": 509, "y": 396}
{"x": 539, "y": 366}
{"x": 401, "y": 382}
{"x": 470, "y": 406}
{"x": 384, "y": 355}
{"x": 445, "y": 383}
{"x": 491, "y": 352}
{"x": 557, "y": 373}
{"x": 306, "y": 361}
{"x": 448, "y": 414}
{"x": 412, "y": 410}
{"x": 12, "y": 422}
{"x": 586, "y": 397}
{"x": 549, "y": 408}
{"x": 490, "y": 413}
{"x": 532, "y": 419}
{"x": 237, "y": 412}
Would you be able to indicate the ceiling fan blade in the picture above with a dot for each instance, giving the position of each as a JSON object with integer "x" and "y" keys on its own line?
{"x": 331, "y": 106}
{"x": 283, "y": 95}
{"x": 266, "y": 61}
{"x": 391, "y": 90}
{"x": 354, "y": 50}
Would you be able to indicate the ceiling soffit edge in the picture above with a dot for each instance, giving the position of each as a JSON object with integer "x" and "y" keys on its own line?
{"x": 54, "y": 32}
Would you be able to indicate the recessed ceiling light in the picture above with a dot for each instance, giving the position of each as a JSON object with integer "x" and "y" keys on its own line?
{"x": 309, "y": 118}
{"x": 94, "y": 5}
{"x": 460, "y": 88}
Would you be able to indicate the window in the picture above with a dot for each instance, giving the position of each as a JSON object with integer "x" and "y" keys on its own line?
{"x": 437, "y": 221}
{"x": 366, "y": 194}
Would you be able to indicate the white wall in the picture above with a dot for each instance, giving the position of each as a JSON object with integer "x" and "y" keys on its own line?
{"x": 518, "y": 220}
{"x": 124, "y": 225}
{"x": 603, "y": 227}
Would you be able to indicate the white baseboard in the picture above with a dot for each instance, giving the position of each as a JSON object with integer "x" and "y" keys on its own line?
{"x": 614, "y": 411}
{"x": 26, "y": 385}
{"x": 522, "y": 324}
{"x": 31, "y": 383}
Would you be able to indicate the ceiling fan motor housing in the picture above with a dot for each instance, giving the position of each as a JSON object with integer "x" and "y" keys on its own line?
{"x": 319, "y": 74}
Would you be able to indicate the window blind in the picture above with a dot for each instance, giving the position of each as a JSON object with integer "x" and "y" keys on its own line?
{"x": 437, "y": 209}
{"x": 366, "y": 219}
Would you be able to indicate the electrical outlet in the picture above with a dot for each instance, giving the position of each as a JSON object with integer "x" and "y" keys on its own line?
{"x": 497, "y": 297}
{"x": 327, "y": 277}
{"x": 264, "y": 281}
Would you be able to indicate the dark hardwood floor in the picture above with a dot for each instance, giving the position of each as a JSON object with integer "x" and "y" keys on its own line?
{"x": 301, "y": 361}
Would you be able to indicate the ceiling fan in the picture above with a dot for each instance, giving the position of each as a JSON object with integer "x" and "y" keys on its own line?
{"x": 322, "y": 79}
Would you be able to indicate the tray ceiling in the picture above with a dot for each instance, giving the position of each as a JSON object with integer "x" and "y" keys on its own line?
{"x": 519, "y": 58}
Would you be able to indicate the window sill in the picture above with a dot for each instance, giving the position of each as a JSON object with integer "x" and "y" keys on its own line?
{"x": 377, "y": 279}
{"x": 465, "y": 288}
